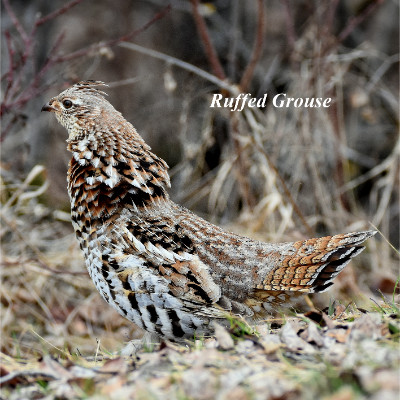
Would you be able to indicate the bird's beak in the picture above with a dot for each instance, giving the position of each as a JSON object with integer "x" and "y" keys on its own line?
{"x": 48, "y": 107}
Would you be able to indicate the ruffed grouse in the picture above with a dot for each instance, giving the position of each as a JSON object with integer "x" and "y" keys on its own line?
{"x": 159, "y": 265}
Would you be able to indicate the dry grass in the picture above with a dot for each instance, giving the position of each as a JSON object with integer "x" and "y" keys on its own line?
{"x": 60, "y": 339}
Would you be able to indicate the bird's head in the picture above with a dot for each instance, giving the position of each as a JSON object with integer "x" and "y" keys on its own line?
{"x": 78, "y": 107}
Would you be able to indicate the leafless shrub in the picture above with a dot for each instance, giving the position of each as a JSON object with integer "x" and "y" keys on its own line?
{"x": 23, "y": 80}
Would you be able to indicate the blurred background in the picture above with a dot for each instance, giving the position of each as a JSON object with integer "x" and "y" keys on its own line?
{"x": 275, "y": 174}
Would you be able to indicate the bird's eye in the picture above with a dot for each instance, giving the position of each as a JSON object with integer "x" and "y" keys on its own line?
{"x": 67, "y": 103}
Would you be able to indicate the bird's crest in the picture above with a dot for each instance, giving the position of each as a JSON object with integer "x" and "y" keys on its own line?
{"x": 89, "y": 87}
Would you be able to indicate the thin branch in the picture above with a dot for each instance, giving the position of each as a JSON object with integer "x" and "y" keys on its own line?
{"x": 233, "y": 39}
{"x": 286, "y": 190}
{"x": 32, "y": 89}
{"x": 256, "y": 140}
{"x": 182, "y": 64}
{"x": 5, "y": 130}
{"x": 113, "y": 42}
{"x": 123, "y": 82}
{"x": 27, "y": 41}
{"x": 354, "y": 21}
{"x": 56, "y": 13}
{"x": 15, "y": 21}
{"x": 206, "y": 41}
{"x": 17, "y": 96}
{"x": 17, "y": 376}
{"x": 58, "y": 270}
{"x": 387, "y": 63}
{"x": 384, "y": 166}
{"x": 257, "y": 49}
{"x": 242, "y": 166}
{"x": 291, "y": 34}
{"x": 390, "y": 181}
{"x": 331, "y": 15}
{"x": 10, "y": 72}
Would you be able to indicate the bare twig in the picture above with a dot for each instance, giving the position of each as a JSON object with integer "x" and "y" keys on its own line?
{"x": 257, "y": 142}
{"x": 5, "y": 130}
{"x": 58, "y": 270}
{"x": 23, "y": 375}
{"x": 182, "y": 64}
{"x": 384, "y": 166}
{"x": 257, "y": 48}
{"x": 233, "y": 39}
{"x": 15, "y": 21}
{"x": 18, "y": 71}
{"x": 354, "y": 21}
{"x": 33, "y": 89}
{"x": 56, "y": 13}
{"x": 387, "y": 63}
{"x": 331, "y": 15}
{"x": 206, "y": 41}
{"x": 35, "y": 172}
{"x": 16, "y": 94}
{"x": 241, "y": 165}
{"x": 286, "y": 190}
{"x": 10, "y": 73}
{"x": 109, "y": 43}
{"x": 123, "y": 82}
{"x": 291, "y": 34}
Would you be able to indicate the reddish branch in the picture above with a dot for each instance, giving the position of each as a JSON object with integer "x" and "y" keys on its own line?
{"x": 112, "y": 42}
{"x": 257, "y": 48}
{"x": 11, "y": 53}
{"x": 291, "y": 34}
{"x": 32, "y": 89}
{"x": 331, "y": 15}
{"x": 58, "y": 12}
{"x": 17, "y": 69}
{"x": 15, "y": 21}
{"x": 354, "y": 21}
{"x": 206, "y": 41}
{"x": 14, "y": 98}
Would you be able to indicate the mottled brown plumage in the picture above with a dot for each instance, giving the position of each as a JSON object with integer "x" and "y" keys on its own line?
{"x": 159, "y": 265}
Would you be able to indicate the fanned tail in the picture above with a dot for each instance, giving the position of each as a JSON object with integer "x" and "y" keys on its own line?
{"x": 311, "y": 265}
